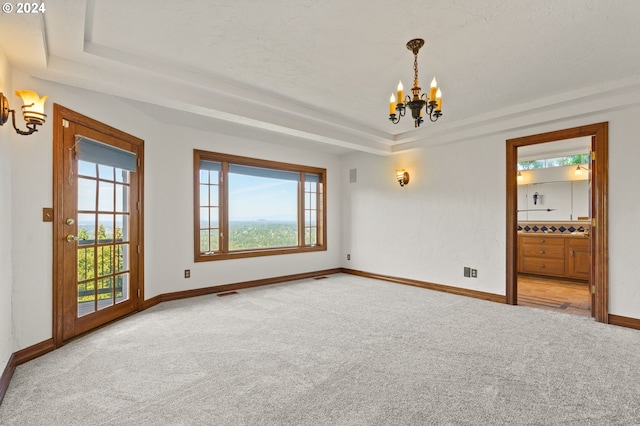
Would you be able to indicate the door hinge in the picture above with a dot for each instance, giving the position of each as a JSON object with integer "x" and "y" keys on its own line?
{"x": 138, "y": 205}
{"x": 593, "y": 289}
{"x": 138, "y": 248}
{"x": 139, "y": 162}
{"x": 65, "y": 123}
{"x": 593, "y": 156}
{"x": 138, "y": 292}
{"x": 593, "y": 222}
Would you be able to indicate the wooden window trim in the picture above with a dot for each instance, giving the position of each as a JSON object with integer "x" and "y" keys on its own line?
{"x": 224, "y": 253}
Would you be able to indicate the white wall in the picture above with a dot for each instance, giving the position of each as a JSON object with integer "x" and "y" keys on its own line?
{"x": 6, "y": 347}
{"x": 452, "y": 213}
{"x": 168, "y": 207}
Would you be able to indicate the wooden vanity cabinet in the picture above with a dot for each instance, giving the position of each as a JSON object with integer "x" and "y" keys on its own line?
{"x": 578, "y": 258}
{"x": 542, "y": 255}
{"x": 555, "y": 256}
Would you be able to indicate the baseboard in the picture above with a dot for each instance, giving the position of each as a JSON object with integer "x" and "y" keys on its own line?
{"x": 5, "y": 379}
{"x": 146, "y": 304}
{"x": 242, "y": 285}
{"x": 431, "y": 286}
{"x": 34, "y": 351}
{"x": 20, "y": 357}
{"x": 624, "y": 321}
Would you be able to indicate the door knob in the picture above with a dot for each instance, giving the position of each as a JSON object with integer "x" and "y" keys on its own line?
{"x": 72, "y": 238}
{"x": 70, "y": 221}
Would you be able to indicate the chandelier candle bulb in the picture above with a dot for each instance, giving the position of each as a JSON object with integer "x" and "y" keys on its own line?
{"x": 439, "y": 100}
{"x": 432, "y": 91}
{"x": 392, "y": 105}
{"x": 400, "y": 96}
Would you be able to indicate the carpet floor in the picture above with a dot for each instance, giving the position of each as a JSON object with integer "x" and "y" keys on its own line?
{"x": 343, "y": 350}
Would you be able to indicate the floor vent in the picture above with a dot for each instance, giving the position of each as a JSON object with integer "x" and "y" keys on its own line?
{"x": 229, "y": 293}
{"x": 319, "y": 278}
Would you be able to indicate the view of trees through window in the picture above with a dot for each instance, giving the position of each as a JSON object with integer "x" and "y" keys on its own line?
{"x": 554, "y": 162}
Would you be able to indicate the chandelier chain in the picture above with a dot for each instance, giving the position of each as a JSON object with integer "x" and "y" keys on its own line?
{"x": 415, "y": 69}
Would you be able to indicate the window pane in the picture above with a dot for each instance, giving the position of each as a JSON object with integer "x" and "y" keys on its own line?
{"x": 86, "y": 263}
{"x": 122, "y": 288}
{"x": 105, "y": 196}
{"x": 263, "y": 209}
{"x": 572, "y": 159}
{"x": 213, "y": 195}
{"x": 86, "y": 228}
{"x": 214, "y": 241}
{"x": 122, "y": 198}
{"x": 86, "y": 194}
{"x": 86, "y": 298}
{"x": 536, "y": 164}
{"x": 87, "y": 169}
{"x": 204, "y": 195}
{"x": 204, "y": 218}
{"x": 105, "y": 260}
{"x": 105, "y": 292}
{"x": 213, "y": 217}
{"x": 105, "y": 228}
{"x": 106, "y": 172}
{"x": 204, "y": 241}
{"x": 204, "y": 176}
{"x": 554, "y": 162}
{"x": 122, "y": 228}
{"x": 122, "y": 176}
{"x": 121, "y": 257}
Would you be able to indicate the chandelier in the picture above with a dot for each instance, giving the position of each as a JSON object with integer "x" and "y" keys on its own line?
{"x": 432, "y": 104}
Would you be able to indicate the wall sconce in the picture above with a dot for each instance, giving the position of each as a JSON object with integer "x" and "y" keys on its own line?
{"x": 32, "y": 111}
{"x": 520, "y": 177}
{"x": 579, "y": 170}
{"x": 403, "y": 177}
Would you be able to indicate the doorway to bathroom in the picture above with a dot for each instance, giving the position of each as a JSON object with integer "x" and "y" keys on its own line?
{"x": 552, "y": 248}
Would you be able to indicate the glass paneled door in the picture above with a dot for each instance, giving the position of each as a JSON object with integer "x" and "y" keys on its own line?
{"x": 99, "y": 230}
{"x": 103, "y": 239}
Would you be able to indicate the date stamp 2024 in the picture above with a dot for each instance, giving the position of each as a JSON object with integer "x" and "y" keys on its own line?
{"x": 23, "y": 8}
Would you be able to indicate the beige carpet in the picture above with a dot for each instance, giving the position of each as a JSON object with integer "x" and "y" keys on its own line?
{"x": 342, "y": 351}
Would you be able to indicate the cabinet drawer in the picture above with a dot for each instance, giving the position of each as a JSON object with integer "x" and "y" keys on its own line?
{"x": 543, "y": 266}
{"x": 549, "y": 241}
{"x": 543, "y": 251}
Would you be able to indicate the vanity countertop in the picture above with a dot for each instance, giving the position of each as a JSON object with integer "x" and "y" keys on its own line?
{"x": 554, "y": 235}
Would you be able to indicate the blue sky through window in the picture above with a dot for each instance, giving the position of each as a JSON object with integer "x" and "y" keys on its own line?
{"x": 253, "y": 198}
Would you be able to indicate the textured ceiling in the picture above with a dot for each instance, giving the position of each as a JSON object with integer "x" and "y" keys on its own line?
{"x": 323, "y": 70}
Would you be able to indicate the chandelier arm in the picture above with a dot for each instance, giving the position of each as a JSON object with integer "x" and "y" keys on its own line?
{"x": 435, "y": 114}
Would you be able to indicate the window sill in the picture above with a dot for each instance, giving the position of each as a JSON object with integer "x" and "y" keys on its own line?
{"x": 256, "y": 253}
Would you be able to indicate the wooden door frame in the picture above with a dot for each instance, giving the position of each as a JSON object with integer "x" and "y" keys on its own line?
{"x": 60, "y": 114}
{"x": 599, "y": 133}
